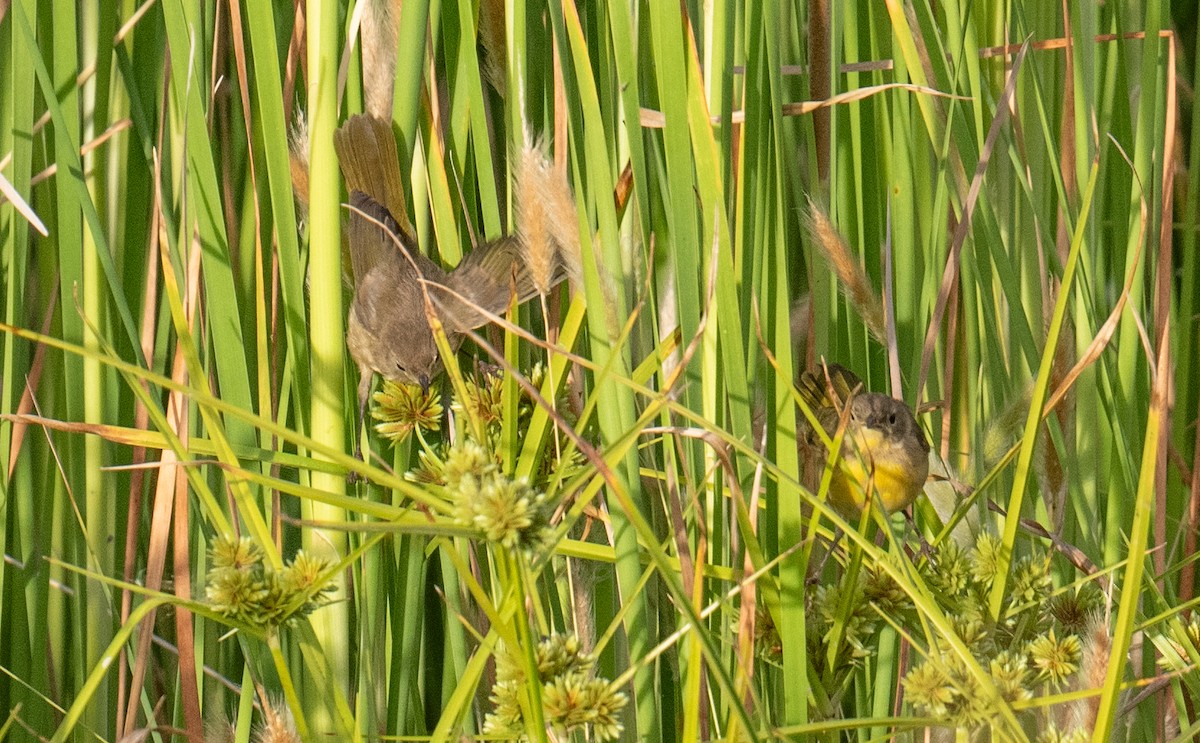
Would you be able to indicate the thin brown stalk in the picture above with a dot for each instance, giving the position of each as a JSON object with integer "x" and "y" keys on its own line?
{"x": 819, "y": 81}
{"x": 1164, "y": 282}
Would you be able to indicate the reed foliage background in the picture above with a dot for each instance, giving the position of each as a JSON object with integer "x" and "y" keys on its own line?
{"x": 1019, "y": 186}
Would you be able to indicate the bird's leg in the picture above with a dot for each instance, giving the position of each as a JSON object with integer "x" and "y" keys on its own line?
{"x": 815, "y": 577}
{"x": 926, "y": 551}
{"x": 364, "y": 392}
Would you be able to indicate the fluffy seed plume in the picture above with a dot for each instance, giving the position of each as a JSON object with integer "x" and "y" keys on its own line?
{"x": 298, "y": 162}
{"x": 494, "y": 44}
{"x": 218, "y": 728}
{"x": 278, "y": 725}
{"x": 546, "y": 219}
{"x": 850, "y": 274}
{"x": 1093, "y": 668}
{"x": 378, "y": 35}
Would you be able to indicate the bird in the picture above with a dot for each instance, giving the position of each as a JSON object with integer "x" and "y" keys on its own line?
{"x": 388, "y": 329}
{"x": 884, "y": 451}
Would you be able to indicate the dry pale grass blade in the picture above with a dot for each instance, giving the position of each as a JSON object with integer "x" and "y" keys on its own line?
{"x": 950, "y": 275}
{"x": 9, "y": 192}
{"x": 889, "y": 307}
{"x": 176, "y": 488}
{"x": 128, "y": 698}
{"x": 653, "y": 119}
{"x": 32, "y": 379}
{"x": 990, "y": 52}
{"x": 691, "y": 566}
{"x": 239, "y": 54}
{"x": 123, "y": 435}
{"x": 1008, "y": 50}
{"x": 850, "y": 275}
{"x": 948, "y": 373}
{"x": 127, "y": 707}
{"x": 51, "y": 169}
{"x": 128, "y": 25}
{"x": 170, "y": 520}
{"x": 1162, "y": 296}
{"x": 748, "y": 607}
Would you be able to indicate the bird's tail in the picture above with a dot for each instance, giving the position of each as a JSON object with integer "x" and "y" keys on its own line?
{"x": 366, "y": 150}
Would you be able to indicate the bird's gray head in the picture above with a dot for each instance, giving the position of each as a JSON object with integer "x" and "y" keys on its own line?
{"x": 889, "y": 417}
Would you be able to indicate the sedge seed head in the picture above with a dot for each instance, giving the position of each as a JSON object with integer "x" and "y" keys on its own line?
{"x": 401, "y": 408}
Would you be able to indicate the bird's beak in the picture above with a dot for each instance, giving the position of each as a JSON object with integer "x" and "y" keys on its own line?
{"x": 423, "y": 380}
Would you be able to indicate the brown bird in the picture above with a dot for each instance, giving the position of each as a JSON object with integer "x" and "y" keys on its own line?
{"x": 388, "y": 330}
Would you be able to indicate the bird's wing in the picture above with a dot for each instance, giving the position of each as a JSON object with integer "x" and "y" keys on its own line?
{"x": 816, "y": 389}
{"x": 487, "y": 278}
{"x": 826, "y": 396}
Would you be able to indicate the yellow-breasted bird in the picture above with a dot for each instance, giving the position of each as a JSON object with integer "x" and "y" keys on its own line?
{"x": 883, "y": 449}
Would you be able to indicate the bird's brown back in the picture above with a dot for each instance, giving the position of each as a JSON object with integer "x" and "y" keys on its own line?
{"x": 389, "y": 330}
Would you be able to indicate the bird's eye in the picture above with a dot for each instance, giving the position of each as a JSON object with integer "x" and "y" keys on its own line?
{"x": 892, "y": 419}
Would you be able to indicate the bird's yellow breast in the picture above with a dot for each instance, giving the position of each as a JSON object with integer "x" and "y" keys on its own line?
{"x": 871, "y": 463}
